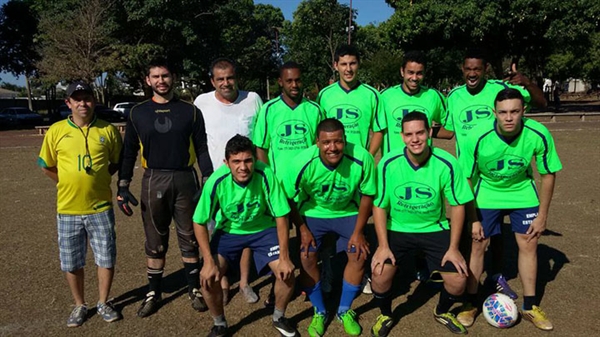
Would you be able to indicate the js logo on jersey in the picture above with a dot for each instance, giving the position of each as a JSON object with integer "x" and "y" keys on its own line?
{"x": 399, "y": 113}
{"x": 415, "y": 197}
{"x": 244, "y": 211}
{"x": 336, "y": 192}
{"x": 475, "y": 112}
{"x": 294, "y": 129}
{"x": 507, "y": 167}
{"x": 347, "y": 114}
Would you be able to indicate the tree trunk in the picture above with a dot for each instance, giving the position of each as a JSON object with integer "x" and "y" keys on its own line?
{"x": 28, "y": 89}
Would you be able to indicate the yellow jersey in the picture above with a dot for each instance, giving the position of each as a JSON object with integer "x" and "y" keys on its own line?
{"x": 82, "y": 157}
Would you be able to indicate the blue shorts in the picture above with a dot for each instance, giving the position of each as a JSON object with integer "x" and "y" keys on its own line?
{"x": 520, "y": 219}
{"x": 264, "y": 246}
{"x": 343, "y": 227}
{"x": 73, "y": 234}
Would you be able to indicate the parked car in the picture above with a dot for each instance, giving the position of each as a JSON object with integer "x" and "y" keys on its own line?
{"x": 101, "y": 111}
{"x": 124, "y": 108}
{"x": 19, "y": 117}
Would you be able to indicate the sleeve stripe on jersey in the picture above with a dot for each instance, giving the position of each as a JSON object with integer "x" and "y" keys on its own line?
{"x": 441, "y": 99}
{"x": 323, "y": 92}
{"x": 545, "y": 156}
{"x": 451, "y": 176}
{"x": 502, "y": 83}
{"x": 476, "y": 152}
{"x": 385, "y": 165}
{"x": 267, "y": 121}
{"x": 477, "y": 187}
{"x": 354, "y": 159}
{"x": 315, "y": 104}
{"x": 267, "y": 198}
{"x": 532, "y": 182}
{"x": 41, "y": 162}
{"x": 300, "y": 174}
{"x": 376, "y": 104}
{"x": 455, "y": 90}
{"x": 219, "y": 180}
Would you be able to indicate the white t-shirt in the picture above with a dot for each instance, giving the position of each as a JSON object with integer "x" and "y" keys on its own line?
{"x": 224, "y": 121}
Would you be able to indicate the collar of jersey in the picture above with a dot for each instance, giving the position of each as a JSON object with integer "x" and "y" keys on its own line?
{"x": 408, "y": 93}
{"x": 76, "y": 126}
{"x": 284, "y": 102}
{"x": 485, "y": 82}
{"x": 331, "y": 168}
{"x": 348, "y": 91}
{"x": 507, "y": 140}
{"x": 413, "y": 166}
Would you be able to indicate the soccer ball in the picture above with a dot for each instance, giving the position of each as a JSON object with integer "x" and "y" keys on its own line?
{"x": 500, "y": 311}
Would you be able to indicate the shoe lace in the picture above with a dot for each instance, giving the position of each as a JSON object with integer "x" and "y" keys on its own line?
{"x": 540, "y": 312}
{"x": 78, "y": 310}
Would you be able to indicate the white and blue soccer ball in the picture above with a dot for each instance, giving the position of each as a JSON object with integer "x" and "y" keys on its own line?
{"x": 500, "y": 311}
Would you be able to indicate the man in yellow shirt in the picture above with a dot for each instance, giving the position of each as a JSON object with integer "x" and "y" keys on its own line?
{"x": 80, "y": 154}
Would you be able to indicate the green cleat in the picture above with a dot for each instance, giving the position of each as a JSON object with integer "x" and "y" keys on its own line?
{"x": 351, "y": 326}
{"x": 448, "y": 320}
{"x": 382, "y": 327}
{"x": 317, "y": 325}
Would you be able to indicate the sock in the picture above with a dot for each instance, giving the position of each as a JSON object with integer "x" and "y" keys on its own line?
{"x": 192, "y": 270}
{"x": 471, "y": 298}
{"x": 528, "y": 302}
{"x": 384, "y": 302}
{"x": 445, "y": 302}
{"x": 315, "y": 295}
{"x": 220, "y": 321}
{"x": 155, "y": 280}
{"x": 349, "y": 292}
{"x": 277, "y": 314}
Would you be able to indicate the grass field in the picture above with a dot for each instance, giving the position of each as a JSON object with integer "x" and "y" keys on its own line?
{"x": 36, "y": 300}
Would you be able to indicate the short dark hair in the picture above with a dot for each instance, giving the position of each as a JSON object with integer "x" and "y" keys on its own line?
{"x": 414, "y": 56}
{"x": 238, "y": 144}
{"x": 344, "y": 50}
{"x": 415, "y": 116}
{"x": 159, "y": 62}
{"x": 330, "y": 125}
{"x": 509, "y": 93}
{"x": 289, "y": 65}
{"x": 476, "y": 53}
{"x": 222, "y": 63}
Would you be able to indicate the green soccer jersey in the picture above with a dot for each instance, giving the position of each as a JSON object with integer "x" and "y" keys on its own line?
{"x": 330, "y": 192}
{"x": 284, "y": 131}
{"x": 465, "y": 110}
{"x": 501, "y": 169}
{"x": 414, "y": 195}
{"x": 358, "y": 109}
{"x": 396, "y": 103}
{"x": 242, "y": 209}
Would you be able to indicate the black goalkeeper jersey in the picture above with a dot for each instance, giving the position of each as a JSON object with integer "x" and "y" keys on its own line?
{"x": 170, "y": 136}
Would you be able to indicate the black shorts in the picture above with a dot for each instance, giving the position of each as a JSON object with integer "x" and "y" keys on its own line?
{"x": 434, "y": 245}
{"x": 166, "y": 196}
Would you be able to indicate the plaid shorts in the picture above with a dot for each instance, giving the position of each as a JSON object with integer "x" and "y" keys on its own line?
{"x": 73, "y": 233}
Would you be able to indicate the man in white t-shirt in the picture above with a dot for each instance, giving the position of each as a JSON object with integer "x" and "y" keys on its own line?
{"x": 228, "y": 111}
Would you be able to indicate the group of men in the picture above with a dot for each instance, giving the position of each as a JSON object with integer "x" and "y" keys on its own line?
{"x": 310, "y": 164}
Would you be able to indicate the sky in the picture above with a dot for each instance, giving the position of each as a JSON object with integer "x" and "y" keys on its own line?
{"x": 368, "y": 11}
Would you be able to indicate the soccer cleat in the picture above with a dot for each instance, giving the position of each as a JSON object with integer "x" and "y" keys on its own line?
{"x": 317, "y": 325}
{"x": 382, "y": 327}
{"x": 538, "y": 318}
{"x": 218, "y": 331}
{"x": 149, "y": 305}
{"x": 285, "y": 328}
{"x": 107, "y": 312}
{"x": 448, "y": 320}
{"x": 351, "y": 326}
{"x": 466, "y": 314}
{"x": 197, "y": 301}
{"x": 503, "y": 287}
{"x": 249, "y": 294}
{"x": 78, "y": 316}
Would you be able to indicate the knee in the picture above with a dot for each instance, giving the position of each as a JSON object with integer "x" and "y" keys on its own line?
{"x": 354, "y": 263}
{"x": 309, "y": 264}
{"x": 455, "y": 284}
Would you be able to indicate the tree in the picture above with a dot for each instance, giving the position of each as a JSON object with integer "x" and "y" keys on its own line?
{"x": 77, "y": 42}
{"x": 318, "y": 29}
{"x": 18, "y": 28}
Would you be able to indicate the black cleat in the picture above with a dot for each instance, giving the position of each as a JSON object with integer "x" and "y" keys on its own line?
{"x": 149, "y": 305}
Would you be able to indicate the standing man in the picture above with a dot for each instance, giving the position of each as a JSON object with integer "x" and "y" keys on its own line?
{"x": 354, "y": 103}
{"x": 409, "y": 96}
{"x": 80, "y": 154}
{"x": 498, "y": 157}
{"x": 473, "y": 102}
{"x": 228, "y": 111}
{"x": 410, "y": 214}
{"x": 286, "y": 125}
{"x": 249, "y": 206}
{"x": 170, "y": 134}
{"x": 333, "y": 185}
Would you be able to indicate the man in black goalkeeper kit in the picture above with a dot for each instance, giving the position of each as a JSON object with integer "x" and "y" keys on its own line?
{"x": 170, "y": 134}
